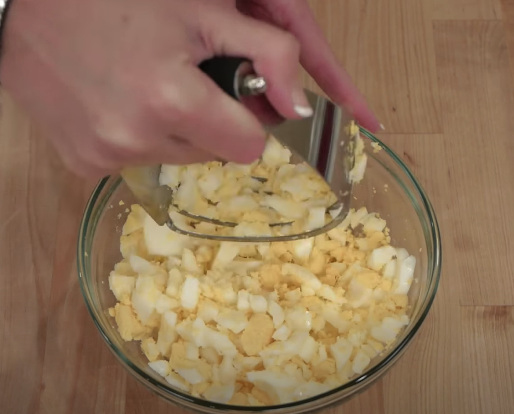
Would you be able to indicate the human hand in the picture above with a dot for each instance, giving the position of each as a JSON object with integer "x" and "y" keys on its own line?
{"x": 317, "y": 58}
{"x": 115, "y": 83}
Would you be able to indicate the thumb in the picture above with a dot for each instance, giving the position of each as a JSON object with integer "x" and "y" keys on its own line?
{"x": 275, "y": 55}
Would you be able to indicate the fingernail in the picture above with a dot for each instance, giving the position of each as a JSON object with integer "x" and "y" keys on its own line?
{"x": 303, "y": 111}
{"x": 301, "y": 104}
{"x": 382, "y": 127}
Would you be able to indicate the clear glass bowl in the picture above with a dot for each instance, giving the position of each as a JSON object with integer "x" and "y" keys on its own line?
{"x": 389, "y": 188}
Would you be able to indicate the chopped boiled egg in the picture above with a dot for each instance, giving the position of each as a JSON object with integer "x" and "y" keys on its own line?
{"x": 176, "y": 381}
{"x": 161, "y": 241}
{"x": 219, "y": 393}
{"x": 190, "y": 293}
{"x": 226, "y": 254}
{"x": 170, "y": 175}
{"x": 302, "y": 275}
{"x": 380, "y": 257}
{"x": 282, "y": 333}
{"x": 175, "y": 280}
{"x": 405, "y": 274}
{"x": 288, "y": 209}
{"x": 274, "y": 384}
{"x": 267, "y": 323}
{"x": 341, "y": 352}
{"x": 135, "y": 220}
{"x": 165, "y": 303}
{"x": 235, "y": 321}
{"x": 388, "y": 330}
{"x": 276, "y": 312}
{"x": 190, "y": 375}
{"x": 257, "y": 334}
{"x": 258, "y": 303}
{"x": 144, "y": 297}
{"x": 275, "y": 154}
{"x": 162, "y": 367}
{"x": 167, "y": 334}
{"x": 122, "y": 287}
{"x": 360, "y": 362}
{"x": 129, "y": 326}
{"x": 189, "y": 263}
{"x": 316, "y": 218}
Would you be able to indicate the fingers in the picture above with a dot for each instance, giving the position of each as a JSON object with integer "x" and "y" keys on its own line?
{"x": 262, "y": 109}
{"x": 106, "y": 160}
{"x": 162, "y": 150}
{"x": 275, "y": 55}
{"x": 172, "y": 122}
{"x": 97, "y": 156}
{"x": 318, "y": 59}
{"x": 199, "y": 112}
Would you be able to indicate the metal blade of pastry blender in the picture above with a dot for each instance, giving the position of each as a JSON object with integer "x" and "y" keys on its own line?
{"x": 143, "y": 182}
{"x": 325, "y": 141}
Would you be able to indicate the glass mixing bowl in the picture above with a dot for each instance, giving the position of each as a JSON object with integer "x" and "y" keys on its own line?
{"x": 389, "y": 188}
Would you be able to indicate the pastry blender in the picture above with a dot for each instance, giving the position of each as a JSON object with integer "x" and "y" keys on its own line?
{"x": 326, "y": 141}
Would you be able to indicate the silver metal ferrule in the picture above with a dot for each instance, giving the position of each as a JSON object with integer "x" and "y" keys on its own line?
{"x": 253, "y": 85}
{"x": 247, "y": 82}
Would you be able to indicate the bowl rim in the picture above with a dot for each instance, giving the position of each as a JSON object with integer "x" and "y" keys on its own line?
{"x": 204, "y": 405}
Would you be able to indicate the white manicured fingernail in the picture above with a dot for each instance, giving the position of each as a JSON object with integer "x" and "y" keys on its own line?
{"x": 382, "y": 127}
{"x": 303, "y": 111}
{"x": 301, "y": 104}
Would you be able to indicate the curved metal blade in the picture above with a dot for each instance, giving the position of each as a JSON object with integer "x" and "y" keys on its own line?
{"x": 154, "y": 198}
{"x": 325, "y": 142}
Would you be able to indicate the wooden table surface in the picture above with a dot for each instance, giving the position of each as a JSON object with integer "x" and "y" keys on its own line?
{"x": 439, "y": 73}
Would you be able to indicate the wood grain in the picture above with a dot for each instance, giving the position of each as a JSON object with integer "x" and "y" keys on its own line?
{"x": 29, "y": 194}
{"x": 484, "y": 350}
{"x": 441, "y": 353}
{"x": 386, "y": 46}
{"x": 477, "y": 105}
{"x": 466, "y": 9}
{"x": 464, "y": 370}
{"x": 508, "y": 23}
{"x": 474, "y": 349}
{"x": 68, "y": 382}
{"x": 444, "y": 66}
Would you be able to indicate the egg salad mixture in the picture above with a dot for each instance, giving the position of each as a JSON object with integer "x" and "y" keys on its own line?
{"x": 267, "y": 323}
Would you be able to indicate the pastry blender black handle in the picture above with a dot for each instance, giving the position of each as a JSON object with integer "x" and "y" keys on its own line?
{"x": 235, "y": 76}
